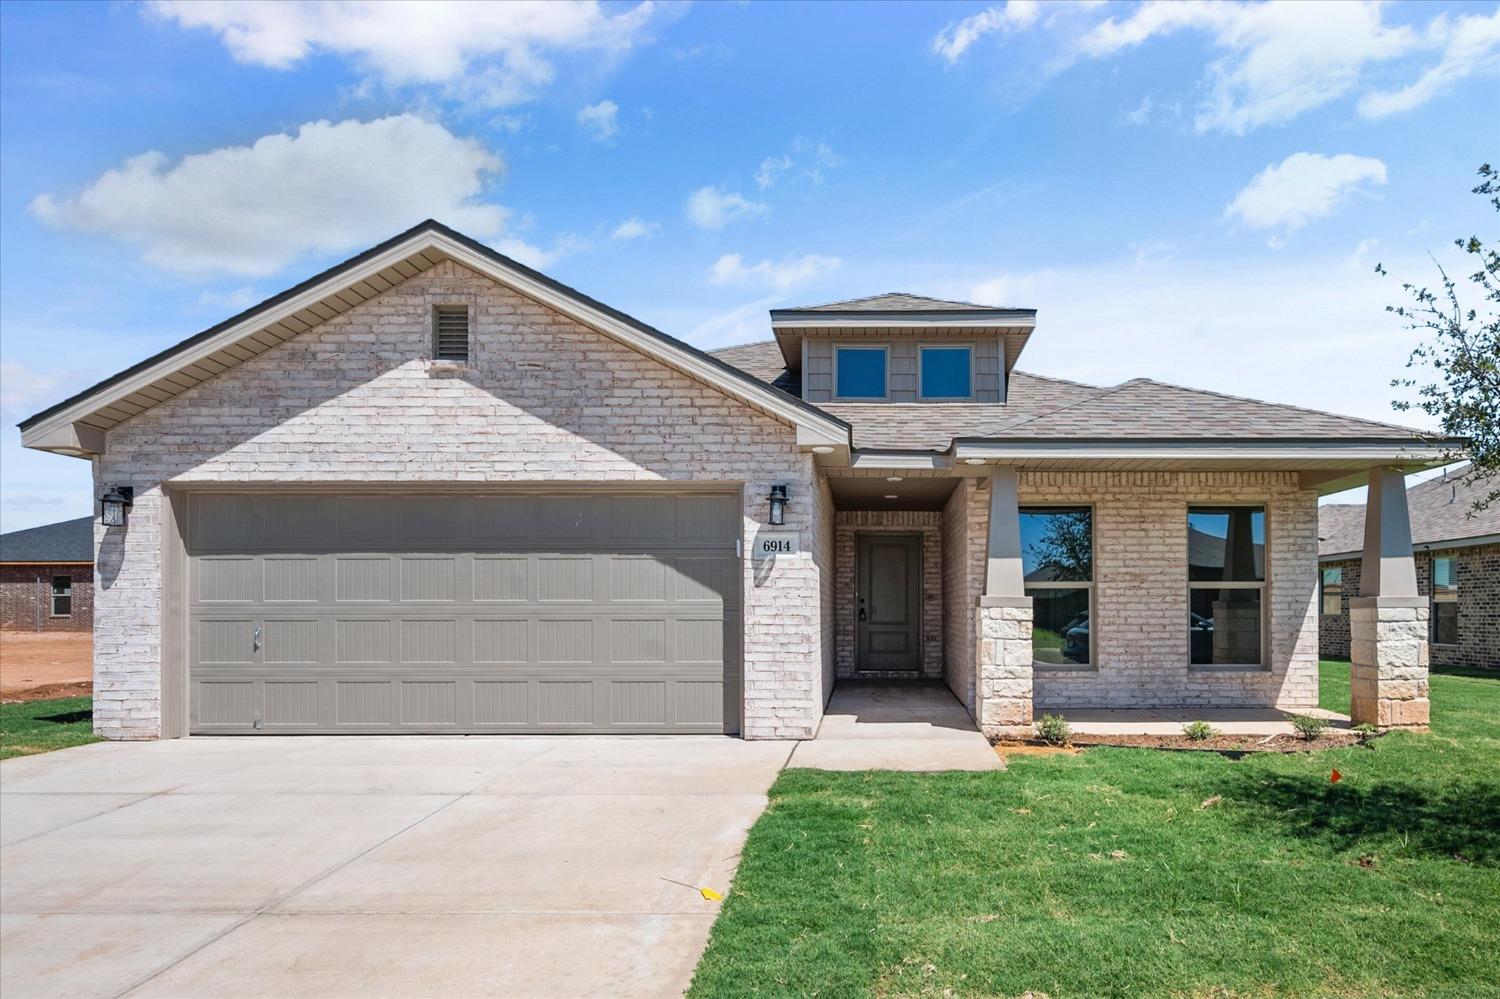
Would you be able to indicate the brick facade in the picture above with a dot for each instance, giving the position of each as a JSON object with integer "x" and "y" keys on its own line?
{"x": 1140, "y": 578}
{"x": 543, "y": 399}
{"x": 1478, "y": 645}
{"x": 965, "y": 522}
{"x": 849, "y": 524}
{"x": 26, "y": 598}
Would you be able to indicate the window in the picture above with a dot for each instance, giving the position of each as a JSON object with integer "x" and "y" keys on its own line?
{"x": 1226, "y": 585}
{"x": 947, "y": 372}
{"x": 1444, "y": 600}
{"x": 450, "y": 324}
{"x": 859, "y": 372}
{"x": 62, "y": 596}
{"x": 1333, "y": 591}
{"x": 1057, "y": 560}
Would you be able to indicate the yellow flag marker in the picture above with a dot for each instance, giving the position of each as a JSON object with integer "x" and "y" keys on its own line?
{"x": 708, "y": 893}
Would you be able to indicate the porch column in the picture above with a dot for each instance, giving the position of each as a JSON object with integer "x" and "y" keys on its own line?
{"x": 1388, "y": 620}
{"x": 1004, "y": 618}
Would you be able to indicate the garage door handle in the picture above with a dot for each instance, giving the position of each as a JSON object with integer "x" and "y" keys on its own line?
{"x": 256, "y": 647}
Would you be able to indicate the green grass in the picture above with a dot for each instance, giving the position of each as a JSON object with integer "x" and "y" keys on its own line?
{"x": 1104, "y": 874}
{"x": 42, "y": 726}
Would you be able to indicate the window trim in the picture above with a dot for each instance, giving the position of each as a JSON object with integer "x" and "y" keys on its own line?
{"x": 972, "y": 392}
{"x": 53, "y": 595}
{"x": 1092, "y": 666}
{"x": 1432, "y": 602}
{"x": 1323, "y": 571}
{"x": 1263, "y": 585}
{"x": 885, "y": 350}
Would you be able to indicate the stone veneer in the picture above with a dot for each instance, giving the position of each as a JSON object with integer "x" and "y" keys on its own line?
{"x": 1388, "y": 662}
{"x": 1006, "y": 673}
{"x": 849, "y": 524}
{"x": 1478, "y": 607}
{"x": 543, "y": 399}
{"x": 1140, "y": 580}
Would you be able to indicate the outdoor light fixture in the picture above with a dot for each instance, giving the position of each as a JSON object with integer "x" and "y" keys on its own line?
{"x": 973, "y": 461}
{"x": 778, "y": 505}
{"x": 893, "y": 478}
{"x": 822, "y": 449}
{"x": 114, "y": 504}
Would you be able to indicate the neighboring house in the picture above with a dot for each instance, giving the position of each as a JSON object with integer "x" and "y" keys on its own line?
{"x": 47, "y": 577}
{"x": 433, "y": 490}
{"x": 1457, "y": 562}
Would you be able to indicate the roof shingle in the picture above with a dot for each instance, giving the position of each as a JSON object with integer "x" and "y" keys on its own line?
{"x": 1441, "y": 510}
{"x": 68, "y": 541}
{"x": 895, "y": 301}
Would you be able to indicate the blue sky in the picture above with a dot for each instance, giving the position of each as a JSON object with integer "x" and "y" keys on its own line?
{"x": 1196, "y": 193}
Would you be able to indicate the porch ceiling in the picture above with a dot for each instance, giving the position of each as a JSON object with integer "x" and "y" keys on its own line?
{"x": 871, "y": 492}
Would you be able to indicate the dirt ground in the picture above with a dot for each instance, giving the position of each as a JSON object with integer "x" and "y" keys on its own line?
{"x": 37, "y": 666}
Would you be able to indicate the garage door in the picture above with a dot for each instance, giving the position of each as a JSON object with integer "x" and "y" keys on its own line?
{"x": 463, "y": 614}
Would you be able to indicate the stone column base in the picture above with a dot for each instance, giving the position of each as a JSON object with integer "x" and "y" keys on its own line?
{"x": 1388, "y": 662}
{"x": 1005, "y": 657}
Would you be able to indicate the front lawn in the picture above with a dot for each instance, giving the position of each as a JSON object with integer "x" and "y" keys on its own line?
{"x": 42, "y": 726}
{"x": 1128, "y": 872}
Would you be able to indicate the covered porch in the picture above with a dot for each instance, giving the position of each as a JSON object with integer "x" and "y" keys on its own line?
{"x": 1192, "y": 594}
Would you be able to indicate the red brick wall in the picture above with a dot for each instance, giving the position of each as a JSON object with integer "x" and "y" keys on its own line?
{"x": 26, "y": 598}
{"x": 1478, "y": 608}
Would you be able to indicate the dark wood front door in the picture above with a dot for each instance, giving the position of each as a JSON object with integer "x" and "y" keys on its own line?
{"x": 888, "y": 602}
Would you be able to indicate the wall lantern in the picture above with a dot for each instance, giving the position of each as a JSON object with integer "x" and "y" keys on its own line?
{"x": 778, "y": 505}
{"x": 114, "y": 503}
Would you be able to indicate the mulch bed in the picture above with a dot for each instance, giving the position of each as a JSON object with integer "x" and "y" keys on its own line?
{"x": 1230, "y": 744}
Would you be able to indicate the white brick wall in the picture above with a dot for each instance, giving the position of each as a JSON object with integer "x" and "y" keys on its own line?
{"x": 965, "y": 521}
{"x": 1140, "y": 574}
{"x": 544, "y": 399}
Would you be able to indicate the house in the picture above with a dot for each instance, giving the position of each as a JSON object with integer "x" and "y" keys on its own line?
{"x": 47, "y": 577}
{"x": 1458, "y": 569}
{"x": 433, "y": 490}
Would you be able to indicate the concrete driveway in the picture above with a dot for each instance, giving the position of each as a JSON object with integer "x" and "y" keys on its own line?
{"x": 410, "y": 866}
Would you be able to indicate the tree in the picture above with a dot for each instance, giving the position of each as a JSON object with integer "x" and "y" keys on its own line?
{"x": 1461, "y": 349}
{"x": 1066, "y": 551}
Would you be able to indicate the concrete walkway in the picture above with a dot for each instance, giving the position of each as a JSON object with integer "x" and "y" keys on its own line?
{"x": 896, "y": 726}
{"x": 367, "y": 866}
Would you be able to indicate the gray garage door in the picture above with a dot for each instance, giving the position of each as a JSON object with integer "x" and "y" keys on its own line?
{"x": 522, "y": 613}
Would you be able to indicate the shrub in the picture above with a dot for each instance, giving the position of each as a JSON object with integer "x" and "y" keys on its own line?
{"x": 1307, "y": 726}
{"x": 1054, "y": 729}
{"x": 1198, "y": 731}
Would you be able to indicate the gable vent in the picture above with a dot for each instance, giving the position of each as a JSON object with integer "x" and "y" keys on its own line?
{"x": 452, "y": 325}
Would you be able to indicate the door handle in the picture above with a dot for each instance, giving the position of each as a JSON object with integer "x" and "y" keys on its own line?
{"x": 255, "y": 647}
{"x": 861, "y": 608}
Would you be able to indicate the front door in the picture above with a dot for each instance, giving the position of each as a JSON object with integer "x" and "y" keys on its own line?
{"x": 888, "y": 604}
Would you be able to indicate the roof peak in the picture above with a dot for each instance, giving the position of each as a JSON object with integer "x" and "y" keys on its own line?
{"x": 898, "y": 301}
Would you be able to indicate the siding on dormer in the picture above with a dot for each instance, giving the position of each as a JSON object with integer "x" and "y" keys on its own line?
{"x": 818, "y": 372}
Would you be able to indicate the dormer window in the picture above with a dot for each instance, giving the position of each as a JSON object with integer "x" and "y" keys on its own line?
{"x": 860, "y": 372}
{"x": 947, "y": 372}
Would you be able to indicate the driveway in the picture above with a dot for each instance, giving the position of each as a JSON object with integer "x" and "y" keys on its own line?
{"x": 409, "y": 866}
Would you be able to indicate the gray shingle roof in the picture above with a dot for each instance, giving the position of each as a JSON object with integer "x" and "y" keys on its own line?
{"x": 894, "y": 301}
{"x": 68, "y": 541}
{"x": 1041, "y": 408}
{"x": 1441, "y": 509}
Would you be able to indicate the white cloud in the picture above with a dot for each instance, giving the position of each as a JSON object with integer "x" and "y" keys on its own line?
{"x": 491, "y": 53}
{"x": 1470, "y": 45}
{"x": 24, "y": 390}
{"x": 600, "y": 120}
{"x": 770, "y": 170}
{"x": 1181, "y": 323}
{"x": 1302, "y": 187}
{"x": 954, "y": 40}
{"x": 537, "y": 257}
{"x": 1280, "y": 59}
{"x": 781, "y": 274}
{"x": 711, "y": 208}
{"x": 255, "y": 209}
{"x": 234, "y": 301}
{"x": 739, "y": 325}
{"x": 634, "y": 228}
